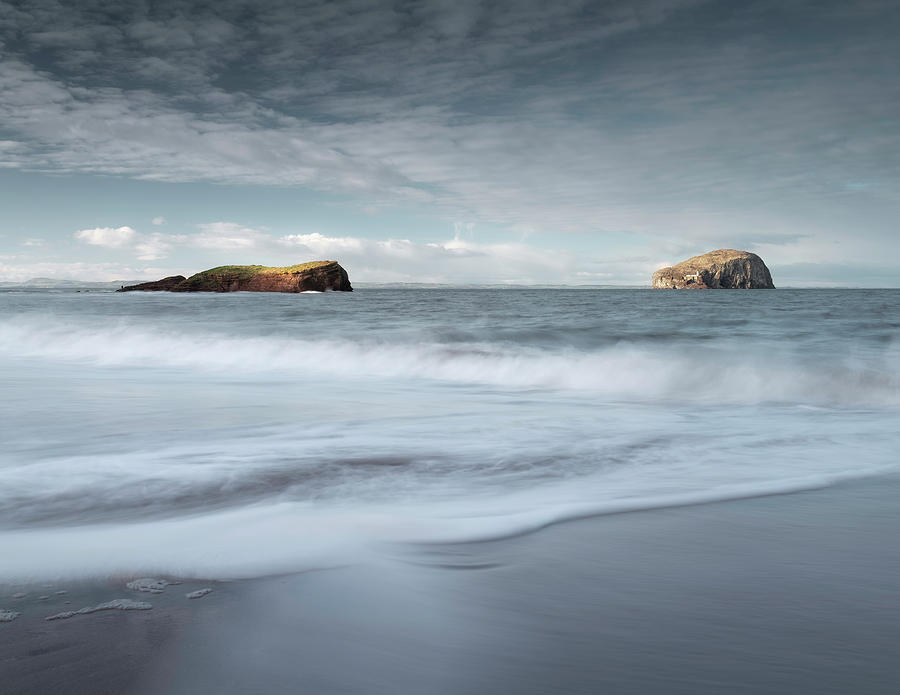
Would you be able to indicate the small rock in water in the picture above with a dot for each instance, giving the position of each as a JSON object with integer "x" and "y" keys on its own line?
{"x": 148, "y": 584}
{"x": 119, "y": 604}
{"x": 8, "y": 616}
{"x": 199, "y": 593}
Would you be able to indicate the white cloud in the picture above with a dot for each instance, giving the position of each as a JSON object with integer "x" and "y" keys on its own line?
{"x": 109, "y": 237}
{"x": 158, "y": 220}
{"x": 451, "y": 261}
{"x": 224, "y": 236}
{"x": 323, "y": 245}
{"x": 214, "y": 236}
{"x": 154, "y": 247}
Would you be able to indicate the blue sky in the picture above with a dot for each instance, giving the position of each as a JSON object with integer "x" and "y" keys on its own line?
{"x": 521, "y": 142}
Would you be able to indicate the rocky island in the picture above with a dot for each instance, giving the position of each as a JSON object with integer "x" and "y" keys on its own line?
{"x": 316, "y": 276}
{"x": 722, "y": 269}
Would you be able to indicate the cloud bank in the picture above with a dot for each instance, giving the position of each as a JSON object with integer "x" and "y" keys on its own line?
{"x": 455, "y": 260}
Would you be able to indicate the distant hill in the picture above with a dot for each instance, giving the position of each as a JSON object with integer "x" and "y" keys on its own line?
{"x": 56, "y": 283}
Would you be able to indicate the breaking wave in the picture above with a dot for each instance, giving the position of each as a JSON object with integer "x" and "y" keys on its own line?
{"x": 714, "y": 372}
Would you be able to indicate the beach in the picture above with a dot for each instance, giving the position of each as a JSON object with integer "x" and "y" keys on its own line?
{"x": 777, "y": 594}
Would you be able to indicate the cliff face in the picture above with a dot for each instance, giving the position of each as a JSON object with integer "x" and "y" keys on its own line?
{"x": 722, "y": 269}
{"x": 165, "y": 285}
{"x": 318, "y": 276}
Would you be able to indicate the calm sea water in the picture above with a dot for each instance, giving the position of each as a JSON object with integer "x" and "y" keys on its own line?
{"x": 243, "y": 434}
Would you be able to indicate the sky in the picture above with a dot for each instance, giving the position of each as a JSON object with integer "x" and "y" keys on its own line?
{"x": 524, "y": 142}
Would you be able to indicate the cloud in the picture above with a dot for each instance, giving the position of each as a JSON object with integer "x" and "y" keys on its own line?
{"x": 153, "y": 247}
{"x": 214, "y": 236}
{"x": 453, "y": 261}
{"x": 687, "y": 127}
{"x": 138, "y": 134}
{"x": 325, "y": 245}
{"x": 158, "y": 220}
{"x": 109, "y": 237}
{"x": 510, "y": 113}
{"x": 224, "y": 236}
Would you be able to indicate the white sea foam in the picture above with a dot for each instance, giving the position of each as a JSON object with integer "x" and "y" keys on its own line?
{"x": 148, "y": 584}
{"x": 234, "y": 444}
{"x": 285, "y": 537}
{"x": 119, "y": 604}
{"x": 199, "y": 593}
{"x": 721, "y": 373}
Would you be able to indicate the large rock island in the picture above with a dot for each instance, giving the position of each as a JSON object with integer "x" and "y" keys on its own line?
{"x": 723, "y": 269}
{"x": 317, "y": 276}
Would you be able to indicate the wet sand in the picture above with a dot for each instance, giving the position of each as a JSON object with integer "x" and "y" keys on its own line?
{"x": 783, "y": 594}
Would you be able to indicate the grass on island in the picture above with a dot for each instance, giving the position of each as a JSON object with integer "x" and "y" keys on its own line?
{"x": 230, "y": 273}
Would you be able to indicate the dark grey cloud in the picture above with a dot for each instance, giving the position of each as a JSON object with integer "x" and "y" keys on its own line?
{"x": 673, "y": 119}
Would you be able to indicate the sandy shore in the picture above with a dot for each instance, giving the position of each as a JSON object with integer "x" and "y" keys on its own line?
{"x": 784, "y": 594}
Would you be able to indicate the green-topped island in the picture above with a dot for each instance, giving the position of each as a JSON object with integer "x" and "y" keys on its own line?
{"x": 315, "y": 276}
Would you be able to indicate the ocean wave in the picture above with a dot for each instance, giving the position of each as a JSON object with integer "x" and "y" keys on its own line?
{"x": 722, "y": 371}
{"x": 268, "y": 539}
{"x": 157, "y": 445}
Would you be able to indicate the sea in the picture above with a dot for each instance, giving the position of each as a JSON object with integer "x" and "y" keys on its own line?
{"x": 240, "y": 435}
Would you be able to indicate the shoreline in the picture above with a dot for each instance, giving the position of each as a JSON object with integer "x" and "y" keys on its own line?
{"x": 784, "y": 593}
